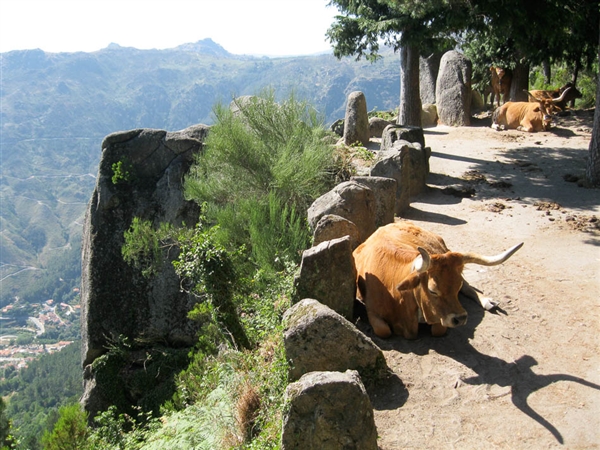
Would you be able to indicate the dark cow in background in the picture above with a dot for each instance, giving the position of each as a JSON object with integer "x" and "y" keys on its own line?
{"x": 406, "y": 275}
{"x": 571, "y": 94}
{"x": 501, "y": 80}
{"x": 530, "y": 116}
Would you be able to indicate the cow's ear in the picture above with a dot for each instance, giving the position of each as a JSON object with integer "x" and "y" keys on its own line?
{"x": 411, "y": 282}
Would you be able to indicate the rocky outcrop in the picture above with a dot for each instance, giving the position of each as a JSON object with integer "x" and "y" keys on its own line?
{"x": 328, "y": 274}
{"x": 453, "y": 90}
{"x": 328, "y": 410}
{"x": 140, "y": 175}
{"x": 317, "y": 338}
{"x": 395, "y": 133}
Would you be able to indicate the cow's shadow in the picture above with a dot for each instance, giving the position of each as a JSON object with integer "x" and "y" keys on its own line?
{"x": 490, "y": 370}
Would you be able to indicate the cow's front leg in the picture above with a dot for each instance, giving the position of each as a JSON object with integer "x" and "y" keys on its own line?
{"x": 380, "y": 326}
{"x": 525, "y": 126}
{"x": 469, "y": 291}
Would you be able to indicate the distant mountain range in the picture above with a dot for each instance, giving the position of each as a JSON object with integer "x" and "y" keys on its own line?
{"x": 57, "y": 107}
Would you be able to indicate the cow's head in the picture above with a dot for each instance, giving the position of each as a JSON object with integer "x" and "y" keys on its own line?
{"x": 437, "y": 279}
{"x": 500, "y": 72}
{"x": 573, "y": 91}
{"x": 548, "y": 107}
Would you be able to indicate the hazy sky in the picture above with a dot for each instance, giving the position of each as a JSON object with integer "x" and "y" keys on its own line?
{"x": 258, "y": 27}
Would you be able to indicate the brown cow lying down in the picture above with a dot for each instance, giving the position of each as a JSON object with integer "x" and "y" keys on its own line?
{"x": 406, "y": 275}
{"x": 527, "y": 116}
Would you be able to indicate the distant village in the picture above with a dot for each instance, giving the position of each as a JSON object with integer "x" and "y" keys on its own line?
{"x": 28, "y": 331}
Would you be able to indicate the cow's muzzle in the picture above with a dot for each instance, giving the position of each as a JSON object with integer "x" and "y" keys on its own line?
{"x": 454, "y": 320}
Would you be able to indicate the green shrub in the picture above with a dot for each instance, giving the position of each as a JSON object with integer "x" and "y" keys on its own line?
{"x": 121, "y": 172}
{"x": 277, "y": 232}
{"x": 266, "y": 158}
{"x": 561, "y": 75}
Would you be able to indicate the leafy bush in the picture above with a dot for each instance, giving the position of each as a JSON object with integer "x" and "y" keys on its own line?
{"x": 264, "y": 164}
{"x": 208, "y": 268}
{"x": 561, "y": 75}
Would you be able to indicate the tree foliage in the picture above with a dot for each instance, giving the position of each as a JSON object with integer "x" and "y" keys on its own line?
{"x": 6, "y": 438}
{"x": 362, "y": 25}
{"x": 70, "y": 431}
{"x": 40, "y": 390}
{"x": 511, "y": 33}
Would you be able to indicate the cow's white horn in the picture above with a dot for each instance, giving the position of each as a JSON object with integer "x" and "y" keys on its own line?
{"x": 422, "y": 262}
{"x": 473, "y": 258}
{"x": 562, "y": 96}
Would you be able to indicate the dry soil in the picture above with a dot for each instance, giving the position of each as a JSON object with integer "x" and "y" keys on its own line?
{"x": 527, "y": 374}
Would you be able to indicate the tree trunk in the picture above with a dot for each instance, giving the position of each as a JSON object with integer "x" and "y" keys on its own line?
{"x": 520, "y": 83}
{"x": 592, "y": 173}
{"x": 409, "y": 112}
{"x": 547, "y": 70}
{"x": 574, "y": 80}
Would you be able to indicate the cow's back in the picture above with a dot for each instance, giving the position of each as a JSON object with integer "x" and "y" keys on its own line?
{"x": 382, "y": 261}
{"x": 511, "y": 114}
{"x": 387, "y": 256}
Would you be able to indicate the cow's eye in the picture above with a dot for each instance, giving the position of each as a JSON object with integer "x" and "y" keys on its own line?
{"x": 435, "y": 293}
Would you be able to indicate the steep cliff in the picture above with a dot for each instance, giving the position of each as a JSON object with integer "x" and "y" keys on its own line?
{"x": 135, "y": 330}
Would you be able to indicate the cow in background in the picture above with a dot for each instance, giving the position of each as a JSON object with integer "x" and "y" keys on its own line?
{"x": 571, "y": 94}
{"x": 524, "y": 116}
{"x": 501, "y": 80}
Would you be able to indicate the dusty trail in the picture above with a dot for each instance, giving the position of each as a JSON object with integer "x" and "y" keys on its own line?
{"x": 528, "y": 374}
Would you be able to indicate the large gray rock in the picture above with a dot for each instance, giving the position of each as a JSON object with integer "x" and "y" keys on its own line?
{"x": 140, "y": 175}
{"x": 328, "y": 274}
{"x": 385, "y": 197}
{"x": 408, "y": 164}
{"x": 328, "y": 411}
{"x": 350, "y": 200}
{"x": 428, "y": 73}
{"x": 332, "y": 226}
{"x": 395, "y": 133}
{"x": 377, "y": 125}
{"x": 317, "y": 338}
{"x": 429, "y": 116}
{"x": 356, "y": 121}
{"x": 453, "y": 89}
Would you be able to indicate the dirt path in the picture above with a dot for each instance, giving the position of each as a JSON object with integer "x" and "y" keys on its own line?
{"x": 528, "y": 374}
